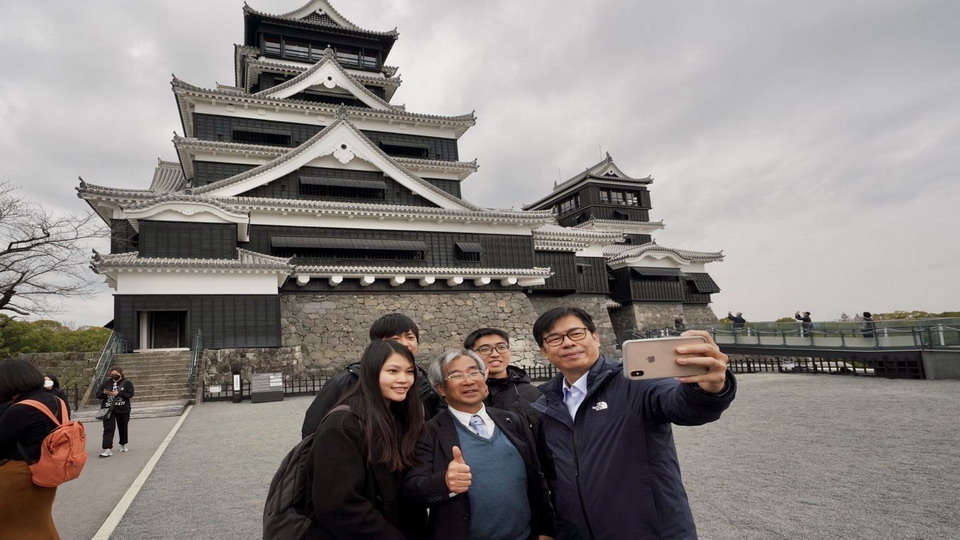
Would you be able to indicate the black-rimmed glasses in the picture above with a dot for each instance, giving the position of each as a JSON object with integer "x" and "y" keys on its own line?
{"x": 575, "y": 334}
{"x": 487, "y": 350}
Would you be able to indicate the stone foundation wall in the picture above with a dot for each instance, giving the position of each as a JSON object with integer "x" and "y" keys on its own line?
{"x": 70, "y": 368}
{"x": 595, "y": 305}
{"x": 219, "y": 365}
{"x": 649, "y": 315}
{"x": 332, "y": 330}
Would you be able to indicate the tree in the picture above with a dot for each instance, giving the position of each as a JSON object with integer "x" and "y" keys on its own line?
{"x": 42, "y": 256}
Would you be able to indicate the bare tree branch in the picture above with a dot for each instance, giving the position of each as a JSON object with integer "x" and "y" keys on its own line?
{"x": 45, "y": 257}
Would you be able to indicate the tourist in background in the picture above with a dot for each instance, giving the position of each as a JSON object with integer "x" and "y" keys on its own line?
{"x": 609, "y": 443}
{"x": 115, "y": 393}
{"x": 25, "y": 508}
{"x": 361, "y": 452}
{"x": 738, "y": 321}
{"x": 510, "y": 387}
{"x": 679, "y": 324}
{"x": 806, "y": 323}
{"x": 477, "y": 466}
{"x": 393, "y": 327}
{"x": 52, "y": 384}
{"x": 869, "y": 327}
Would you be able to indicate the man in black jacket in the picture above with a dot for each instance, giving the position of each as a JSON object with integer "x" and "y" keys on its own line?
{"x": 509, "y": 386}
{"x": 392, "y": 327}
{"x": 478, "y": 469}
{"x": 614, "y": 467}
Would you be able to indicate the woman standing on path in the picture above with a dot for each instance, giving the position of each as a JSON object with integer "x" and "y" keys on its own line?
{"x": 115, "y": 392}
{"x": 360, "y": 453}
{"x": 25, "y": 508}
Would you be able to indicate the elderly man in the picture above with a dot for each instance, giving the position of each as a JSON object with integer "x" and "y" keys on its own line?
{"x": 478, "y": 469}
{"x": 614, "y": 470}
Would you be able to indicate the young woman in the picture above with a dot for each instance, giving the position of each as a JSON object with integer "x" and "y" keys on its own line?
{"x": 25, "y": 509}
{"x": 116, "y": 391}
{"x": 360, "y": 453}
{"x": 52, "y": 384}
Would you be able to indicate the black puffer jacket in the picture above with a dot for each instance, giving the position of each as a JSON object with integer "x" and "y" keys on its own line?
{"x": 515, "y": 393}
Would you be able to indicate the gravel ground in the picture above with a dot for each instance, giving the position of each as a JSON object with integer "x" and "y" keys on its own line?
{"x": 796, "y": 456}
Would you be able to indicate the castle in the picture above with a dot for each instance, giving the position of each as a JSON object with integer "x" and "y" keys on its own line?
{"x": 303, "y": 204}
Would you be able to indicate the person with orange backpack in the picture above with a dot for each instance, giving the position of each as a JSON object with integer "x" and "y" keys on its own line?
{"x": 28, "y": 416}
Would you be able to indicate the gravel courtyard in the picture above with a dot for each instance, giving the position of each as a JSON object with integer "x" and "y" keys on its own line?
{"x": 796, "y": 456}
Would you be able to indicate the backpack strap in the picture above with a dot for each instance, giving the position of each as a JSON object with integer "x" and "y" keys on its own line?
{"x": 43, "y": 408}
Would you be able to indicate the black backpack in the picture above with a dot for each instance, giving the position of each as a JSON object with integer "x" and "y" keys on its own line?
{"x": 286, "y": 512}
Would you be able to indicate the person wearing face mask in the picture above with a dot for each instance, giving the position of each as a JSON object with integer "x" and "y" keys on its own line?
{"x": 115, "y": 392}
{"x": 52, "y": 384}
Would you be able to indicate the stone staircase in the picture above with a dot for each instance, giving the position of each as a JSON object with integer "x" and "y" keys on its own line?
{"x": 159, "y": 380}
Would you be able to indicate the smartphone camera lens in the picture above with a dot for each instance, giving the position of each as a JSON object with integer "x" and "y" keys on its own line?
{"x": 636, "y": 373}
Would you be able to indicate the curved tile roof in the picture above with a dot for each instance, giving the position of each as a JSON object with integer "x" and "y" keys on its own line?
{"x": 167, "y": 177}
{"x": 424, "y": 271}
{"x": 246, "y": 260}
{"x": 312, "y": 7}
{"x": 619, "y": 252}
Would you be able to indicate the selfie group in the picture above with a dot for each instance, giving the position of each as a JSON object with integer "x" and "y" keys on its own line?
{"x": 469, "y": 448}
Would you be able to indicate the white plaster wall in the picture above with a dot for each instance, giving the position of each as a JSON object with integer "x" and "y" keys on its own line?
{"x": 195, "y": 283}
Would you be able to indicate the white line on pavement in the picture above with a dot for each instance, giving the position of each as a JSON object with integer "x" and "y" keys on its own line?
{"x": 110, "y": 524}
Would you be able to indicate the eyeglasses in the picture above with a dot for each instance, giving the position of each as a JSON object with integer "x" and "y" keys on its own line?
{"x": 486, "y": 350}
{"x": 458, "y": 377}
{"x": 575, "y": 334}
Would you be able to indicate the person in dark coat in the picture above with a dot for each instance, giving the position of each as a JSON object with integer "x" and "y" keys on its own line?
{"x": 361, "y": 452}
{"x": 738, "y": 321}
{"x": 510, "y": 387}
{"x": 25, "y": 508}
{"x": 52, "y": 384}
{"x": 806, "y": 323}
{"x": 477, "y": 467}
{"x": 869, "y": 327}
{"x": 393, "y": 327}
{"x": 117, "y": 392}
{"x": 613, "y": 470}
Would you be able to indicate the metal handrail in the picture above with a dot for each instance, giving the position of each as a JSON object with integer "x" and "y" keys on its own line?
{"x": 115, "y": 344}
{"x": 197, "y": 349}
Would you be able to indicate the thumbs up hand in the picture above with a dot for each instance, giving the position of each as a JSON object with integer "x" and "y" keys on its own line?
{"x": 458, "y": 475}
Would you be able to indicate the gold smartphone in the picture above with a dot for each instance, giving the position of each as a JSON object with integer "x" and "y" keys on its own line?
{"x": 645, "y": 359}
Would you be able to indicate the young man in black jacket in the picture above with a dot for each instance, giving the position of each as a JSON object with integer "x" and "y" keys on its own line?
{"x": 477, "y": 468}
{"x": 509, "y": 386}
{"x": 613, "y": 465}
{"x": 392, "y": 327}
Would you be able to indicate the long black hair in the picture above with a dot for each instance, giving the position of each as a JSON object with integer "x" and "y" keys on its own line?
{"x": 18, "y": 377}
{"x": 390, "y": 428}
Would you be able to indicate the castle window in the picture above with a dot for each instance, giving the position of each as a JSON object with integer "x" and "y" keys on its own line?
{"x": 570, "y": 204}
{"x": 583, "y": 267}
{"x": 402, "y": 149}
{"x": 469, "y": 251}
{"x": 342, "y": 188}
{"x": 605, "y": 196}
{"x": 346, "y": 249}
{"x": 631, "y": 198}
{"x": 616, "y": 197}
{"x": 272, "y": 45}
{"x": 272, "y": 138}
{"x": 296, "y": 50}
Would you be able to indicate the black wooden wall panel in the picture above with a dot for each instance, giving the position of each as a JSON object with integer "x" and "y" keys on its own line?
{"x": 220, "y": 128}
{"x": 592, "y": 279}
{"x": 564, "y": 269}
{"x": 450, "y": 186}
{"x": 288, "y": 187}
{"x": 227, "y": 321}
{"x": 188, "y": 240}
{"x": 207, "y": 172}
{"x": 123, "y": 237}
{"x": 500, "y": 250}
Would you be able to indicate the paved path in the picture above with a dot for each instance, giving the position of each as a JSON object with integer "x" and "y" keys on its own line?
{"x": 797, "y": 456}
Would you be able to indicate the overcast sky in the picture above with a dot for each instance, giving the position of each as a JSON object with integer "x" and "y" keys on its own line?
{"x": 815, "y": 143}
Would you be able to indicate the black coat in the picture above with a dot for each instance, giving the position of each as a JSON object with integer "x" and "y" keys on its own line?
{"x": 515, "y": 393}
{"x": 615, "y": 472}
{"x": 26, "y": 425}
{"x": 335, "y": 388}
{"x": 121, "y": 400}
{"x": 350, "y": 497}
{"x": 450, "y": 516}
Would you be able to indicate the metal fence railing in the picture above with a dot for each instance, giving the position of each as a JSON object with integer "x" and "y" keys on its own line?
{"x": 195, "y": 362}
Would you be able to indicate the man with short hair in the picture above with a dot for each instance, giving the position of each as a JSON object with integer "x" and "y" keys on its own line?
{"x": 478, "y": 469}
{"x": 509, "y": 385}
{"x": 391, "y": 327}
{"x": 615, "y": 472}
